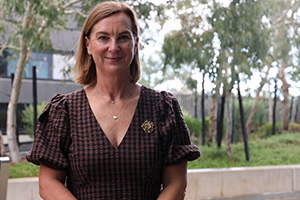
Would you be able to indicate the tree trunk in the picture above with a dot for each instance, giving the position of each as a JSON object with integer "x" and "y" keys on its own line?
{"x": 203, "y": 113}
{"x": 274, "y": 109}
{"x": 270, "y": 107}
{"x": 285, "y": 91}
{"x": 291, "y": 109}
{"x": 24, "y": 56}
{"x": 297, "y": 111}
{"x": 255, "y": 104}
{"x": 12, "y": 105}
{"x": 212, "y": 123}
{"x": 242, "y": 114}
{"x": 212, "y": 127}
{"x": 228, "y": 122}
{"x": 220, "y": 119}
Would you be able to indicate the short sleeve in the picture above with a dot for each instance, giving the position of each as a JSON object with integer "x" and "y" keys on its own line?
{"x": 175, "y": 133}
{"x": 52, "y": 138}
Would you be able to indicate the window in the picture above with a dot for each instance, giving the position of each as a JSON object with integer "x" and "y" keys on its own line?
{"x": 42, "y": 61}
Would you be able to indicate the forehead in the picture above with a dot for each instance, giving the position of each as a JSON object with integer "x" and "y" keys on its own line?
{"x": 115, "y": 22}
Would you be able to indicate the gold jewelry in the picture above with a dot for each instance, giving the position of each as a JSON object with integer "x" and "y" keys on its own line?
{"x": 115, "y": 116}
{"x": 103, "y": 97}
{"x": 148, "y": 126}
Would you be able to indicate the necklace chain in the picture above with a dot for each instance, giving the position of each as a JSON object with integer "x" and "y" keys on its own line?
{"x": 115, "y": 117}
{"x": 103, "y": 97}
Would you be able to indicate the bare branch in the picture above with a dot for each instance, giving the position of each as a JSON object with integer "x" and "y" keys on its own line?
{"x": 28, "y": 56}
{"x": 297, "y": 32}
{"x": 76, "y": 12}
{"x": 42, "y": 26}
{"x": 6, "y": 46}
{"x": 71, "y": 3}
{"x": 279, "y": 20}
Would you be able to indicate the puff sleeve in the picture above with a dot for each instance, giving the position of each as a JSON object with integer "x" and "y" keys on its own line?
{"x": 175, "y": 133}
{"x": 52, "y": 138}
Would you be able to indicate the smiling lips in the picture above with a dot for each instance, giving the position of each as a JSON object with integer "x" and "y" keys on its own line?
{"x": 114, "y": 59}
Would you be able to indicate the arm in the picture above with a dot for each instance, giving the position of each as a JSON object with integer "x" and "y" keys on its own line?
{"x": 51, "y": 184}
{"x": 174, "y": 182}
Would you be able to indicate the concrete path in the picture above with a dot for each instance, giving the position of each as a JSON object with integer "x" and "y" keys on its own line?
{"x": 281, "y": 196}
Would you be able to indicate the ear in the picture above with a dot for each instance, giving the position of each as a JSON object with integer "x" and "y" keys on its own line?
{"x": 87, "y": 44}
{"x": 136, "y": 44}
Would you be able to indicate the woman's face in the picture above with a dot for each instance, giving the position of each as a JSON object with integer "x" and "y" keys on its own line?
{"x": 112, "y": 44}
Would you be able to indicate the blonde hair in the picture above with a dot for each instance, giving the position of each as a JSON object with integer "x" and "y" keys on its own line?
{"x": 85, "y": 69}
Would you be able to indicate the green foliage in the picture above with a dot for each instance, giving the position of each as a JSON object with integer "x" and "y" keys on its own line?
{"x": 266, "y": 130}
{"x": 259, "y": 119}
{"x": 144, "y": 9}
{"x": 208, "y": 41}
{"x": 150, "y": 67}
{"x": 192, "y": 84}
{"x": 23, "y": 169}
{"x": 195, "y": 127}
{"x": 294, "y": 127}
{"x": 275, "y": 150}
{"x": 32, "y": 22}
{"x": 27, "y": 117}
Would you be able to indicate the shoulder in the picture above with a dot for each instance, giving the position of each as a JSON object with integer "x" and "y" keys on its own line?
{"x": 61, "y": 99}
{"x": 61, "y": 102}
{"x": 163, "y": 96}
{"x": 165, "y": 101}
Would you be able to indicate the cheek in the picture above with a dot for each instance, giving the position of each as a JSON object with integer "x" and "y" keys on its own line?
{"x": 130, "y": 48}
{"x": 99, "y": 49}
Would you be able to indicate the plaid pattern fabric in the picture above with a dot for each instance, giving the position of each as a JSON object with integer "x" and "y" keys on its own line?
{"x": 69, "y": 138}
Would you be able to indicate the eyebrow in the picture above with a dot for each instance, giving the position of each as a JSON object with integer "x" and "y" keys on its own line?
{"x": 105, "y": 33}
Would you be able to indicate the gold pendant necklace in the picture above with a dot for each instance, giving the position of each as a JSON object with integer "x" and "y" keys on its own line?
{"x": 115, "y": 116}
{"x": 103, "y": 97}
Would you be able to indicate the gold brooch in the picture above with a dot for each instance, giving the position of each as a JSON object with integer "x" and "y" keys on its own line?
{"x": 148, "y": 126}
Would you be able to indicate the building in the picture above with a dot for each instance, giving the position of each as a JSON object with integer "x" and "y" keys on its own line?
{"x": 50, "y": 67}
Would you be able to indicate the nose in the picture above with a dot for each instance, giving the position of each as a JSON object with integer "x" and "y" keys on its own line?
{"x": 114, "y": 46}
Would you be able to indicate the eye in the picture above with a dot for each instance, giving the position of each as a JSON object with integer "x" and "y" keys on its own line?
{"x": 102, "y": 38}
{"x": 124, "y": 37}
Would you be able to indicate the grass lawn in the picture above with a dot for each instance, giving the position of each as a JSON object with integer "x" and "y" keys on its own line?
{"x": 281, "y": 149}
{"x": 275, "y": 150}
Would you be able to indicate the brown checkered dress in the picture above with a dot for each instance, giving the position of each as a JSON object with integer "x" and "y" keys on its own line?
{"x": 69, "y": 138}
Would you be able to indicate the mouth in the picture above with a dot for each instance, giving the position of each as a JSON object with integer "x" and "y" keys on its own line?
{"x": 113, "y": 59}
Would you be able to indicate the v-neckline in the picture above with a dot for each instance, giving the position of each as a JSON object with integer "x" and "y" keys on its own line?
{"x": 99, "y": 125}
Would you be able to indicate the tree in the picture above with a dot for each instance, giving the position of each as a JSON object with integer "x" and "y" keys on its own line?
{"x": 186, "y": 48}
{"x": 256, "y": 100}
{"x": 283, "y": 27}
{"x": 226, "y": 42}
{"x": 26, "y": 26}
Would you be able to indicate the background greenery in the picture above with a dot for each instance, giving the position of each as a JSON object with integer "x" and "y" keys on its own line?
{"x": 280, "y": 149}
{"x": 27, "y": 116}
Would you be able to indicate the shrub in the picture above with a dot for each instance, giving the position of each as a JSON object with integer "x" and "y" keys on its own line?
{"x": 265, "y": 130}
{"x": 195, "y": 126}
{"x": 294, "y": 127}
{"x": 27, "y": 117}
{"x": 259, "y": 119}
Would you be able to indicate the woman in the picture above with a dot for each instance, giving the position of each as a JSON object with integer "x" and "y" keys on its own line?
{"x": 113, "y": 139}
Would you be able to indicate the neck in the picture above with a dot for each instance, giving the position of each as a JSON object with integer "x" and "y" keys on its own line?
{"x": 114, "y": 91}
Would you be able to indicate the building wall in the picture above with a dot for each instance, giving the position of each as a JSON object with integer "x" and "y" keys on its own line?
{"x": 46, "y": 89}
